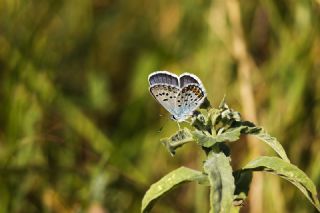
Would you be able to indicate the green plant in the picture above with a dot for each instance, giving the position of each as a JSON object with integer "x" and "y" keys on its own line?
{"x": 212, "y": 128}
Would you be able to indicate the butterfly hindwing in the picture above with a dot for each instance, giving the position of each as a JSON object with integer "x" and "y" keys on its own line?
{"x": 190, "y": 98}
{"x": 187, "y": 78}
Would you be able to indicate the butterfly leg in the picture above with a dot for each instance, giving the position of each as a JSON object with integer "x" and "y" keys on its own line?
{"x": 189, "y": 122}
{"x": 179, "y": 126}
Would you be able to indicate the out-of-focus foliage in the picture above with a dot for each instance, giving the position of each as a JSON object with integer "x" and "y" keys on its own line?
{"x": 78, "y": 128}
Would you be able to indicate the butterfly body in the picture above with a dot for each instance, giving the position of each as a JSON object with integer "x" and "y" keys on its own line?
{"x": 179, "y": 95}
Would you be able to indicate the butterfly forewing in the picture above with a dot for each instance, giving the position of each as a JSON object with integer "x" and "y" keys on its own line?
{"x": 163, "y": 77}
{"x": 166, "y": 95}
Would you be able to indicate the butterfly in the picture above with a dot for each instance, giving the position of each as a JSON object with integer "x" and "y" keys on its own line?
{"x": 179, "y": 95}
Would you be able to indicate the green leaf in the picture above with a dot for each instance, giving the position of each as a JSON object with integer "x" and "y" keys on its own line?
{"x": 206, "y": 140}
{"x": 289, "y": 172}
{"x": 168, "y": 182}
{"x": 268, "y": 139}
{"x": 219, "y": 170}
{"x": 177, "y": 140}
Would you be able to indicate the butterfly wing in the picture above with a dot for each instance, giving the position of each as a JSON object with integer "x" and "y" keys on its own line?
{"x": 163, "y": 77}
{"x": 189, "y": 99}
{"x": 164, "y": 87}
{"x": 188, "y": 78}
{"x": 181, "y": 96}
{"x": 191, "y": 96}
{"x": 166, "y": 95}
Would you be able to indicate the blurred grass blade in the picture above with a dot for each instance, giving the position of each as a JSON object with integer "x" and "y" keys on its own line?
{"x": 219, "y": 170}
{"x": 289, "y": 172}
{"x": 168, "y": 182}
{"x": 80, "y": 122}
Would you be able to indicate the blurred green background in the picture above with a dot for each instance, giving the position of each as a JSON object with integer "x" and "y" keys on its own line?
{"x": 79, "y": 129}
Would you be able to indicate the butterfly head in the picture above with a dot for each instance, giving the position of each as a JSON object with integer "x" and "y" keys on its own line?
{"x": 174, "y": 118}
{"x": 179, "y": 118}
